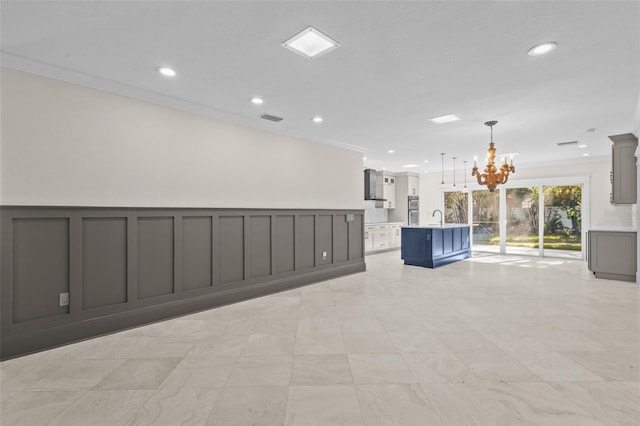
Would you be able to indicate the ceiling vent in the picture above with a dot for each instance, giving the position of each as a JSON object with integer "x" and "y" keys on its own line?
{"x": 567, "y": 143}
{"x": 271, "y": 118}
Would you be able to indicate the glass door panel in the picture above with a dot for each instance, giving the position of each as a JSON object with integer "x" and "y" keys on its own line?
{"x": 486, "y": 216}
{"x": 456, "y": 207}
{"x": 523, "y": 221}
{"x": 563, "y": 221}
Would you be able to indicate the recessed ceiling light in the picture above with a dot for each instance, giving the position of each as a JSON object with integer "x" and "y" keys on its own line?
{"x": 391, "y": 151}
{"x": 542, "y": 48}
{"x": 447, "y": 118}
{"x": 310, "y": 43}
{"x": 317, "y": 119}
{"x": 167, "y": 72}
{"x": 582, "y": 146}
{"x": 425, "y": 161}
{"x": 257, "y": 101}
{"x": 586, "y": 154}
{"x": 364, "y": 158}
{"x": 410, "y": 165}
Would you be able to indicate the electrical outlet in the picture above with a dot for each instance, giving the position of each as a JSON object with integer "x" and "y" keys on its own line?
{"x": 64, "y": 299}
{"x": 324, "y": 255}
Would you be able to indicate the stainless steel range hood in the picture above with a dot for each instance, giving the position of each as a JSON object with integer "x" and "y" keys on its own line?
{"x": 370, "y": 185}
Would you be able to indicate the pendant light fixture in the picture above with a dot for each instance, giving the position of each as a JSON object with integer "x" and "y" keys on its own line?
{"x": 491, "y": 176}
{"x": 465, "y": 189}
{"x": 454, "y": 172}
{"x": 442, "y": 185}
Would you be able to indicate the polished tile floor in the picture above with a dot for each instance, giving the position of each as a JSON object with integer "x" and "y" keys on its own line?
{"x": 493, "y": 340}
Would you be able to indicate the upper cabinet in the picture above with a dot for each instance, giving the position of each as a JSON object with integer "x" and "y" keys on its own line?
{"x": 386, "y": 188}
{"x": 623, "y": 169}
{"x": 413, "y": 185}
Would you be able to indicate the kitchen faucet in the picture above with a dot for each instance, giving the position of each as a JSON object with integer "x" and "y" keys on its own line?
{"x": 434, "y": 215}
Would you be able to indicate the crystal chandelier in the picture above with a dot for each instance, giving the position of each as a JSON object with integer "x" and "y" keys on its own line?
{"x": 491, "y": 176}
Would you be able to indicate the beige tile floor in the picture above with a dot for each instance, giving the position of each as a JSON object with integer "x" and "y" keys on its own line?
{"x": 493, "y": 340}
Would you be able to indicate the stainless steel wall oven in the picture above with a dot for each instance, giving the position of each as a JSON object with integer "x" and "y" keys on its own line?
{"x": 414, "y": 211}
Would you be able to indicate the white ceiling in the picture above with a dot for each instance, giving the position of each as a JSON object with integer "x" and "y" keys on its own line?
{"x": 399, "y": 64}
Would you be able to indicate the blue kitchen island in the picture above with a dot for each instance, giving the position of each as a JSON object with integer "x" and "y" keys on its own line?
{"x": 433, "y": 246}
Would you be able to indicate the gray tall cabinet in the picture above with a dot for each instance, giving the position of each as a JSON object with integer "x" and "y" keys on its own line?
{"x": 623, "y": 169}
{"x": 612, "y": 253}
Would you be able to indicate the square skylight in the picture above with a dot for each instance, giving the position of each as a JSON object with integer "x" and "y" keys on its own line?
{"x": 311, "y": 43}
{"x": 448, "y": 118}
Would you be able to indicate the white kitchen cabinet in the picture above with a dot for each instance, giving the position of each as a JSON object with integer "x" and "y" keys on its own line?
{"x": 386, "y": 188}
{"x": 413, "y": 185}
{"x": 381, "y": 236}
{"x": 407, "y": 185}
{"x": 395, "y": 235}
{"x": 368, "y": 237}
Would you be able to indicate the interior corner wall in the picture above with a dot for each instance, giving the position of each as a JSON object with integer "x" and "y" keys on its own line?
{"x": 601, "y": 211}
{"x": 68, "y": 145}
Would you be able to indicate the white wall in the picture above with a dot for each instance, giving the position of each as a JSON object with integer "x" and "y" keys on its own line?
{"x": 63, "y": 144}
{"x": 602, "y": 213}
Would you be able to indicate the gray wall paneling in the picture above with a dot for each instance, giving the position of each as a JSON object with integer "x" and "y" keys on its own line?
{"x": 104, "y": 261}
{"x": 155, "y": 256}
{"x": 231, "y": 246}
{"x": 40, "y": 267}
{"x": 341, "y": 238}
{"x": 125, "y": 267}
{"x": 305, "y": 241}
{"x": 197, "y": 250}
{"x": 260, "y": 246}
{"x": 356, "y": 243}
{"x": 285, "y": 243}
{"x": 324, "y": 239}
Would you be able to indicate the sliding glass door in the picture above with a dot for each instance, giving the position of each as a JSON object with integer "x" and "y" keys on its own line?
{"x": 456, "y": 207}
{"x": 539, "y": 219}
{"x": 485, "y": 207}
{"x": 522, "y": 221}
{"x": 563, "y": 221}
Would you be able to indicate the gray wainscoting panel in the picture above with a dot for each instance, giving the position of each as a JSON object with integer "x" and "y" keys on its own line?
{"x": 306, "y": 242}
{"x": 40, "y": 267}
{"x": 355, "y": 238}
{"x": 231, "y": 248}
{"x": 155, "y": 256}
{"x": 125, "y": 267}
{"x": 197, "y": 244}
{"x": 340, "y": 238}
{"x": 285, "y": 243}
{"x": 104, "y": 261}
{"x": 260, "y": 246}
{"x": 325, "y": 238}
